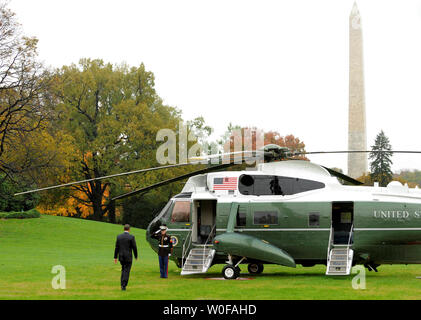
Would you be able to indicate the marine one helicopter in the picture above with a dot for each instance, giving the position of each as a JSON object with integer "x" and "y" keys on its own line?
{"x": 284, "y": 212}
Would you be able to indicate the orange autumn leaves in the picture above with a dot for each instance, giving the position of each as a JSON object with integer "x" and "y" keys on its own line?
{"x": 293, "y": 143}
{"x": 71, "y": 207}
{"x": 75, "y": 204}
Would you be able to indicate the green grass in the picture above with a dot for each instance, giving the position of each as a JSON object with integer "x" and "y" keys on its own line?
{"x": 29, "y": 249}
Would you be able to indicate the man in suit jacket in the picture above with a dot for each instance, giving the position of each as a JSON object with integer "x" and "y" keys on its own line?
{"x": 124, "y": 246}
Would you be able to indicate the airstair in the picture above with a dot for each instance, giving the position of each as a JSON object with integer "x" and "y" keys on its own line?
{"x": 339, "y": 256}
{"x": 199, "y": 260}
{"x": 200, "y": 256}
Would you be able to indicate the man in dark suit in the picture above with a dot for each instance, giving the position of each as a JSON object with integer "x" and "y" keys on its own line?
{"x": 124, "y": 246}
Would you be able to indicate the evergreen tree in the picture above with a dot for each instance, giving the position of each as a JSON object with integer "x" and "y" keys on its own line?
{"x": 380, "y": 164}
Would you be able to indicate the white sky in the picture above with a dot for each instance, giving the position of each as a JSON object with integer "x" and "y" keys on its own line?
{"x": 277, "y": 65}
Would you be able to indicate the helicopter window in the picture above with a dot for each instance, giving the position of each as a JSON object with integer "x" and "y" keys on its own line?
{"x": 241, "y": 216}
{"x": 260, "y": 185}
{"x": 181, "y": 211}
{"x": 265, "y": 185}
{"x": 346, "y": 217}
{"x": 166, "y": 211}
{"x": 265, "y": 217}
{"x": 183, "y": 195}
{"x": 314, "y": 219}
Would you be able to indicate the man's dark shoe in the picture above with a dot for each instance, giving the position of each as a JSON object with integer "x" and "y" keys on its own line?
{"x": 123, "y": 288}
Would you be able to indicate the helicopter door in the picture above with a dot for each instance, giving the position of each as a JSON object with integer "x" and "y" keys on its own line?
{"x": 204, "y": 218}
{"x": 342, "y": 220}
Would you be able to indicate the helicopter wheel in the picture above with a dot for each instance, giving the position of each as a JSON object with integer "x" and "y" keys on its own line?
{"x": 230, "y": 272}
{"x": 255, "y": 268}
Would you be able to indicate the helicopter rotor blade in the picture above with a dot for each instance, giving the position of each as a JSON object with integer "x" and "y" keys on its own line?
{"x": 165, "y": 182}
{"x": 356, "y": 151}
{"x": 219, "y": 167}
{"x": 343, "y": 176}
{"x": 201, "y": 159}
{"x": 182, "y": 177}
{"x": 107, "y": 177}
{"x": 194, "y": 162}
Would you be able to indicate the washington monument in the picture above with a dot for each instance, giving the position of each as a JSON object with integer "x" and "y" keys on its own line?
{"x": 357, "y": 137}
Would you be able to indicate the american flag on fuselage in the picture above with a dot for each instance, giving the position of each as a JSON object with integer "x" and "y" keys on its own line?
{"x": 227, "y": 183}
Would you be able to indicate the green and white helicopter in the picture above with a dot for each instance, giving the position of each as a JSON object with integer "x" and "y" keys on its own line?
{"x": 284, "y": 212}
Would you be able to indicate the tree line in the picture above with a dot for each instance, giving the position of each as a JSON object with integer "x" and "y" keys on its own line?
{"x": 83, "y": 121}
{"x": 92, "y": 119}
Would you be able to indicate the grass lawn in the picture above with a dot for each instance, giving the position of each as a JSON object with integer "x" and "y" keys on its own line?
{"x": 29, "y": 249}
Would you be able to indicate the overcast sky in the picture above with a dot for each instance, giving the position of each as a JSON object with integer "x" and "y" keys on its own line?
{"x": 277, "y": 65}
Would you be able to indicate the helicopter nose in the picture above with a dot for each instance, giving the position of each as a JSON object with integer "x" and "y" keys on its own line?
{"x": 152, "y": 227}
{"x": 148, "y": 230}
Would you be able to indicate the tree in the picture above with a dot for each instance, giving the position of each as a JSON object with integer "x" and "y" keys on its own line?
{"x": 139, "y": 210}
{"x": 38, "y": 157}
{"x": 411, "y": 177}
{"x": 30, "y": 149}
{"x": 270, "y": 137}
{"x": 113, "y": 114}
{"x": 381, "y": 163}
{"x": 293, "y": 143}
{"x": 22, "y": 87}
{"x": 9, "y": 202}
{"x": 365, "y": 179}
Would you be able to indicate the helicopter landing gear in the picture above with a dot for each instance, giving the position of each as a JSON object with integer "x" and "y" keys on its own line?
{"x": 372, "y": 266}
{"x": 255, "y": 268}
{"x": 231, "y": 271}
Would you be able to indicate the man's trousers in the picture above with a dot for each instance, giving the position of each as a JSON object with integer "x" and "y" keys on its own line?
{"x": 163, "y": 266}
{"x": 125, "y": 272}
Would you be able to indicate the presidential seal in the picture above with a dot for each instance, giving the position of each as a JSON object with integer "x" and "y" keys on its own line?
{"x": 174, "y": 240}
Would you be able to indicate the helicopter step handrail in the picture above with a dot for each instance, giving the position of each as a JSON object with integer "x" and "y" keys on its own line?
{"x": 330, "y": 242}
{"x": 210, "y": 236}
{"x": 188, "y": 241}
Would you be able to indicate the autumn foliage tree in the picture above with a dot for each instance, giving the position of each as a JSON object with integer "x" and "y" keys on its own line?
{"x": 31, "y": 150}
{"x": 113, "y": 114}
{"x": 254, "y": 134}
{"x": 23, "y": 83}
{"x": 290, "y": 141}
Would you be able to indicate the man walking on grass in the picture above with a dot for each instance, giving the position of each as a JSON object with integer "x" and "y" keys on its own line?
{"x": 124, "y": 246}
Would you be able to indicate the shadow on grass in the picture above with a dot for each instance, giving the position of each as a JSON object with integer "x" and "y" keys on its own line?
{"x": 275, "y": 275}
{"x": 268, "y": 275}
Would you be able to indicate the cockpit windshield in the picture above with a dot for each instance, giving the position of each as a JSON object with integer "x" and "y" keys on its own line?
{"x": 162, "y": 215}
{"x": 165, "y": 212}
